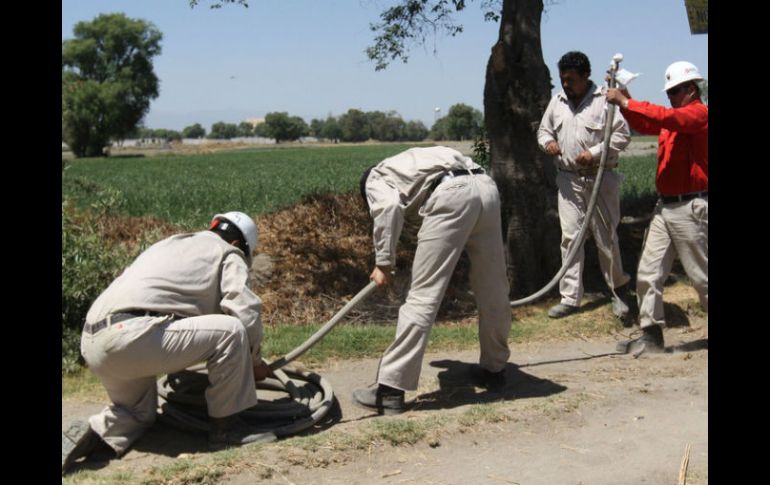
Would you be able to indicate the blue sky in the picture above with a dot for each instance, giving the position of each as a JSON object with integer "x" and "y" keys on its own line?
{"x": 307, "y": 57}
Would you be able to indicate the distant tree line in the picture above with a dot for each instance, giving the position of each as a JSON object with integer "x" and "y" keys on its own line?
{"x": 463, "y": 122}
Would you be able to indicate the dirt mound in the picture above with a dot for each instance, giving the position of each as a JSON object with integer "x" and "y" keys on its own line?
{"x": 318, "y": 254}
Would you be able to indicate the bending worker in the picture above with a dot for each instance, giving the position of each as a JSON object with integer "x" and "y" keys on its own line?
{"x": 459, "y": 206}
{"x": 572, "y": 131}
{"x": 183, "y": 301}
{"x": 680, "y": 223}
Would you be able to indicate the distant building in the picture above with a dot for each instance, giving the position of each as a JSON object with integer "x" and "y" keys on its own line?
{"x": 254, "y": 121}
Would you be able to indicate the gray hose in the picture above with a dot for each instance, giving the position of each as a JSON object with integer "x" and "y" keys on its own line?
{"x": 310, "y": 397}
{"x": 580, "y": 239}
{"x": 325, "y": 329}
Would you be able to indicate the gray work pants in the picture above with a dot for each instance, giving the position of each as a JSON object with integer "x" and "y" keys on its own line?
{"x": 128, "y": 356}
{"x": 574, "y": 195}
{"x": 463, "y": 212}
{"x": 677, "y": 229}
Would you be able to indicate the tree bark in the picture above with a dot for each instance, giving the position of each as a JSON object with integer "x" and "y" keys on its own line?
{"x": 517, "y": 91}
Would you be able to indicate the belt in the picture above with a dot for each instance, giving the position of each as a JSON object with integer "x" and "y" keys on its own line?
{"x": 669, "y": 199}
{"x": 92, "y": 328}
{"x": 456, "y": 173}
{"x": 586, "y": 172}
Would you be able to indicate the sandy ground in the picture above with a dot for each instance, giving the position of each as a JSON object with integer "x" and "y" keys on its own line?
{"x": 574, "y": 412}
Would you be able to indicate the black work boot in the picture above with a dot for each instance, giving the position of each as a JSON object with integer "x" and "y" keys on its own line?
{"x": 77, "y": 442}
{"x": 493, "y": 381}
{"x": 233, "y": 430}
{"x": 383, "y": 399}
{"x": 651, "y": 341}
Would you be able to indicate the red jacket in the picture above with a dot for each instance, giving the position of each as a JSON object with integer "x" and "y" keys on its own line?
{"x": 683, "y": 143}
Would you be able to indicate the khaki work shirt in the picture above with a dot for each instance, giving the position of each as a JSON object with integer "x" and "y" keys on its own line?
{"x": 581, "y": 128}
{"x": 398, "y": 186}
{"x": 187, "y": 275}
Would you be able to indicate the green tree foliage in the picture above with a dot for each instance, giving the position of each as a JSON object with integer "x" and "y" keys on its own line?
{"x": 262, "y": 130}
{"x": 159, "y": 134}
{"x": 331, "y": 129}
{"x": 283, "y": 127}
{"x": 354, "y": 126}
{"x": 107, "y": 80}
{"x": 438, "y": 131}
{"x": 464, "y": 122}
{"x": 219, "y": 3}
{"x": 415, "y": 131}
{"x": 316, "y": 127}
{"x": 194, "y": 131}
{"x": 223, "y": 131}
{"x": 410, "y": 22}
{"x": 245, "y": 129}
{"x": 386, "y": 126}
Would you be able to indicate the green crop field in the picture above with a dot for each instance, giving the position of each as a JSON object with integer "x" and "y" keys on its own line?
{"x": 187, "y": 189}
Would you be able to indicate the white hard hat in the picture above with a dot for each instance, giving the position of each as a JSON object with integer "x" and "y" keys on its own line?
{"x": 680, "y": 72}
{"x": 246, "y": 225}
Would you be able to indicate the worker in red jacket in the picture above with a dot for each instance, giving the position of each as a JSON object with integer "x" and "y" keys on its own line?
{"x": 679, "y": 226}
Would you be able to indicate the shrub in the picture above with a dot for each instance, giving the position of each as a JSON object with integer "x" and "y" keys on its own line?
{"x": 89, "y": 263}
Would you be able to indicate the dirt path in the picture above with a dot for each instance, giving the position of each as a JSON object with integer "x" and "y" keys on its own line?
{"x": 574, "y": 413}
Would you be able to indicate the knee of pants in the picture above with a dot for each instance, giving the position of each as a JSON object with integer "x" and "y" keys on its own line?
{"x": 409, "y": 315}
{"x": 235, "y": 331}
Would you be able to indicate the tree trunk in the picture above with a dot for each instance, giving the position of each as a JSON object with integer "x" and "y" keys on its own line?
{"x": 517, "y": 91}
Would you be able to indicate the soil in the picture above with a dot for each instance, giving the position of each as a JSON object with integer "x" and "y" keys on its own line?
{"x": 573, "y": 412}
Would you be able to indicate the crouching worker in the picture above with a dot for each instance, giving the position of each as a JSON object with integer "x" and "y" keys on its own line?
{"x": 460, "y": 209}
{"x": 183, "y": 301}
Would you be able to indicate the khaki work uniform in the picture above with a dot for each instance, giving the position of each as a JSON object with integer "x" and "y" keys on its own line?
{"x": 462, "y": 211}
{"x": 678, "y": 228}
{"x": 576, "y": 129}
{"x": 195, "y": 286}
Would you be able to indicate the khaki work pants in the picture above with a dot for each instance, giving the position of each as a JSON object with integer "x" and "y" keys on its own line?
{"x": 574, "y": 195}
{"x": 128, "y": 356}
{"x": 677, "y": 229}
{"x": 463, "y": 212}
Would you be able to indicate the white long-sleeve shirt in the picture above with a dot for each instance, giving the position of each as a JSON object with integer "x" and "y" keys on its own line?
{"x": 581, "y": 128}
{"x": 188, "y": 275}
{"x": 398, "y": 186}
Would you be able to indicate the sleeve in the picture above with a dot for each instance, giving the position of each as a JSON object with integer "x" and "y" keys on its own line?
{"x": 240, "y": 302}
{"x": 619, "y": 140}
{"x": 650, "y": 118}
{"x": 388, "y": 216}
{"x": 546, "y": 133}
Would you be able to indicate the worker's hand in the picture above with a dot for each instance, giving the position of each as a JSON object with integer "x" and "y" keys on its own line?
{"x": 381, "y": 275}
{"x": 553, "y": 148}
{"x": 262, "y": 371}
{"x": 618, "y": 96}
{"x": 585, "y": 159}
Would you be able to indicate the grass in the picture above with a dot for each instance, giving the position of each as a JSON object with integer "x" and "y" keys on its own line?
{"x": 482, "y": 413}
{"x": 638, "y": 194}
{"x": 82, "y": 385}
{"x": 187, "y": 189}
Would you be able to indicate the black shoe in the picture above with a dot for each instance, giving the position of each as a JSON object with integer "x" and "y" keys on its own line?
{"x": 493, "y": 381}
{"x": 650, "y": 341}
{"x": 234, "y": 431}
{"x": 383, "y": 399}
{"x": 78, "y": 441}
